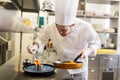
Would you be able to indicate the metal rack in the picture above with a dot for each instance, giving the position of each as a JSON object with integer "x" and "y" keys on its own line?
{"x": 23, "y": 6}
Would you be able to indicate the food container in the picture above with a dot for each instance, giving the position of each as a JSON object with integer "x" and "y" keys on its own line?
{"x": 110, "y": 45}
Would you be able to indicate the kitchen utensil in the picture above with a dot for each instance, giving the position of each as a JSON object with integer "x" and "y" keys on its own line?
{"x": 75, "y": 60}
{"x": 45, "y": 69}
{"x": 69, "y": 64}
{"x": 26, "y": 62}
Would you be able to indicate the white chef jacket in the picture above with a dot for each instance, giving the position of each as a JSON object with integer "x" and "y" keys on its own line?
{"x": 83, "y": 36}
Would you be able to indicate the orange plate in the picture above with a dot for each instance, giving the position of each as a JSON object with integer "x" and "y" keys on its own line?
{"x": 67, "y": 65}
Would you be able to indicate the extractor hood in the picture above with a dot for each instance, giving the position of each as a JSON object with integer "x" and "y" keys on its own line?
{"x": 27, "y": 5}
{"x": 8, "y": 5}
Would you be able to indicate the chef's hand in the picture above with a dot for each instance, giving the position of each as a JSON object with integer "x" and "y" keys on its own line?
{"x": 33, "y": 48}
{"x": 82, "y": 53}
{"x": 85, "y": 52}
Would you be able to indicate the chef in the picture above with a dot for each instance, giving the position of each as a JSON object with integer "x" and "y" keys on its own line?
{"x": 70, "y": 37}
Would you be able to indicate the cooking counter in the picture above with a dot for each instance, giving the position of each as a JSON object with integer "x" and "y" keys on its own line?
{"x": 106, "y": 51}
{"x": 9, "y": 71}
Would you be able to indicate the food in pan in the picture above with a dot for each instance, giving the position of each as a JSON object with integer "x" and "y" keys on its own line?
{"x": 37, "y": 64}
{"x": 68, "y": 64}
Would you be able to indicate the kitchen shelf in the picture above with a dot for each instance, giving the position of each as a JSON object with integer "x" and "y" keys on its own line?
{"x": 80, "y": 15}
{"x": 106, "y": 32}
{"x": 101, "y": 17}
{"x": 53, "y": 14}
{"x": 107, "y": 18}
{"x": 95, "y": 16}
{"x": 102, "y": 1}
{"x": 91, "y": 16}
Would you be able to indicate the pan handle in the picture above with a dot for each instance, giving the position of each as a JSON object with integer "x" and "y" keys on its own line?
{"x": 75, "y": 60}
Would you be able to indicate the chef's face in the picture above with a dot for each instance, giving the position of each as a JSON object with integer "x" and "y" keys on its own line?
{"x": 64, "y": 30}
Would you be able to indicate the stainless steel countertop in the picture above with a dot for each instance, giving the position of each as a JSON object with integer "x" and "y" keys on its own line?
{"x": 9, "y": 71}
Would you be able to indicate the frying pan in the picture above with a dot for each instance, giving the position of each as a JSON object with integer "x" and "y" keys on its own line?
{"x": 69, "y": 64}
{"x": 45, "y": 69}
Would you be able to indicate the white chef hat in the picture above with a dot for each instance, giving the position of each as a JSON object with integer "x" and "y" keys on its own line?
{"x": 65, "y": 11}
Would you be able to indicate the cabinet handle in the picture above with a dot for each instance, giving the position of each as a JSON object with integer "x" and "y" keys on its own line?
{"x": 108, "y": 59}
{"x": 92, "y": 70}
{"x": 92, "y": 59}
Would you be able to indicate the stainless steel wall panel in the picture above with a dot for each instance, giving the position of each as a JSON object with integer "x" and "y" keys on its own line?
{"x": 119, "y": 69}
{"x": 119, "y": 62}
{"x": 108, "y": 61}
{"x": 0, "y": 54}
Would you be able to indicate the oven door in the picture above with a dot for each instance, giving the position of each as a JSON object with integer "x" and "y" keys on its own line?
{"x": 108, "y": 67}
{"x": 108, "y": 74}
